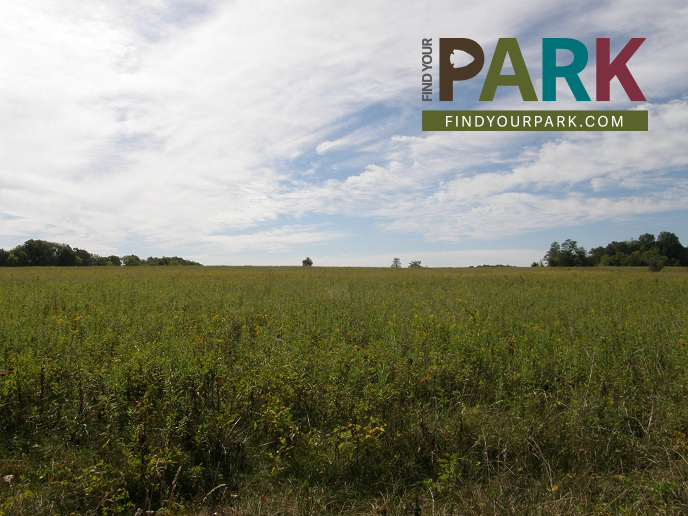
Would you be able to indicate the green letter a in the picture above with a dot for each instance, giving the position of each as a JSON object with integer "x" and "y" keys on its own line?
{"x": 521, "y": 78}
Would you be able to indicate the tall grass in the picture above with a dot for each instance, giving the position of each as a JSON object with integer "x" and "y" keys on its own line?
{"x": 258, "y": 390}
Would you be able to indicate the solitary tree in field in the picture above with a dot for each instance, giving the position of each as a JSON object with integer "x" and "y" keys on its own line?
{"x": 415, "y": 264}
{"x": 396, "y": 263}
{"x": 307, "y": 262}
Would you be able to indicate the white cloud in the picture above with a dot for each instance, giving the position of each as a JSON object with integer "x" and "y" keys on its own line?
{"x": 549, "y": 187}
{"x": 272, "y": 241}
{"x": 577, "y": 179}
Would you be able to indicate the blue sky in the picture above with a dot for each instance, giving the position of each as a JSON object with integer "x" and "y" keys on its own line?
{"x": 255, "y": 132}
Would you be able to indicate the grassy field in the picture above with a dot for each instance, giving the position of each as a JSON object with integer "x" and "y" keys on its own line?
{"x": 343, "y": 391}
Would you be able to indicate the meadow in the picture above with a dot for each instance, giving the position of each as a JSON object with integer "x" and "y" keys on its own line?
{"x": 185, "y": 390}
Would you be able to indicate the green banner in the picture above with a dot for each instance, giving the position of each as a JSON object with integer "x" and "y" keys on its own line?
{"x": 515, "y": 120}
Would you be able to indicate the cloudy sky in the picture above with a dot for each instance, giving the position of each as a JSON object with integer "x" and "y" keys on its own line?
{"x": 258, "y": 132}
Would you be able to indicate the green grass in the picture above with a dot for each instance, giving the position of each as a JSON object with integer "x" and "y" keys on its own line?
{"x": 318, "y": 391}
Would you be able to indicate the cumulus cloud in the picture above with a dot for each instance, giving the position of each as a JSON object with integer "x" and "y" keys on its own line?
{"x": 273, "y": 240}
{"x": 578, "y": 178}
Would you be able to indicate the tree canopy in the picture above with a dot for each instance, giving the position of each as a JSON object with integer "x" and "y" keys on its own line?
{"x": 644, "y": 251}
{"x": 40, "y": 253}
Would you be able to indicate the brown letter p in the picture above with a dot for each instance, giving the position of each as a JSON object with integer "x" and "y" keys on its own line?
{"x": 448, "y": 73}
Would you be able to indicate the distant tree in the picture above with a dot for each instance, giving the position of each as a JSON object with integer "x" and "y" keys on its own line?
{"x": 307, "y": 262}
{"x": 634, "y": 259}
{"x": 67, "y": 257}
{"x": 574, "y": 256}
{"x": 83, "y": 257}
{"x": 168, "y": 260}
{"x": 567, "y": 254}
{"x": 100, "y": 261}
{"x": 13, "y": 260}
{"x": 618, "y": 249}
{"x": 646, "y": 241}
{"x": 670, "y": 246}
{"x": 131, "y": 260}
{"x": 656, "y": 263}
{"x": 595, "y": 255}
{"x": 42, "y": 253}
{"x": 645, "y": 250}
{"x": 18, "y": 257}
{"x": 552, "y": 257}
{"x": 415, "y": 264}
{"x": 396, "y": 263}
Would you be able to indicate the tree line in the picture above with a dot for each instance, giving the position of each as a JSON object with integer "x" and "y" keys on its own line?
{"x": 34, "y": 253}
{"x": 646, "y": 250}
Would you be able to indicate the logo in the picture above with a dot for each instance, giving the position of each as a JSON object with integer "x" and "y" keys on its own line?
{"x": 462, "y": 59}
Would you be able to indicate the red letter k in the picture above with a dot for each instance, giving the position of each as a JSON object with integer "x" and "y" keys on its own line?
{"x": 606, "y": 71}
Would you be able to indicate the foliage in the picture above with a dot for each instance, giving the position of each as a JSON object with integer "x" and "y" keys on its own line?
{"x": 568, "y": 254}
{"x": 264, "y": 391}
{"x": 131, "y": 260}
{"x": 165, "y": 260}
{"x": 644, "y": 251}
{"x": 396, "y": 263}
{"x": 117, "y": 261}
{"x": 42, "y": 253}
{"x": 307, "y": 262}
{"x": 415, "y": 264}
{"x": 656, "y": 264}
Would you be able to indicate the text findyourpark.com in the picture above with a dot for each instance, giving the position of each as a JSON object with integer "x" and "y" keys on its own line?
{"x": 534, "y": 120}
{"x": 461, "y": 59}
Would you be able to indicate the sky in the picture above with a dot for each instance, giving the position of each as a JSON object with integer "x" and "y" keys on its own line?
{"x": 254, "y": 132}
